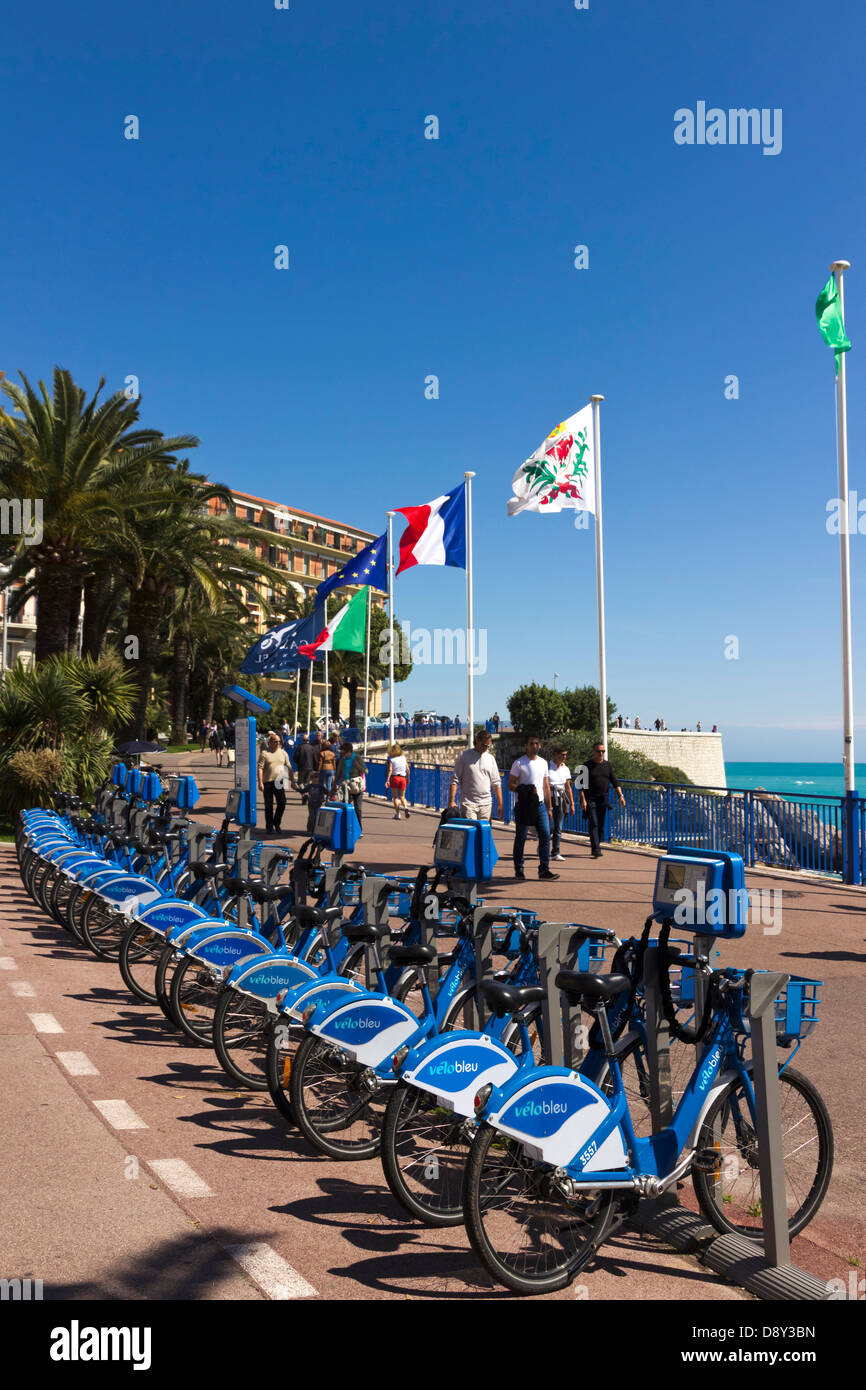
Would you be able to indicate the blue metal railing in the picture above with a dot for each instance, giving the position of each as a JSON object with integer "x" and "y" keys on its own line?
{"x": 821, "y": 834}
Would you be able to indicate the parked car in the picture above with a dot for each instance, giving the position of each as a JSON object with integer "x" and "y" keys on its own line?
{"x": 425, "y": 716}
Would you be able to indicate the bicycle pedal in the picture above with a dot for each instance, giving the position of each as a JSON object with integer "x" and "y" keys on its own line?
{"x": 707, "y": 1161}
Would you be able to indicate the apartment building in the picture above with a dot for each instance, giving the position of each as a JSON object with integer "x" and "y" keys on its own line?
{"x": 310, "y": 548}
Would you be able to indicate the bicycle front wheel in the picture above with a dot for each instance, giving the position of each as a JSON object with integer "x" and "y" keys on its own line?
{"x": 526, "y": 1233}
{"x": 730, "y": 1194}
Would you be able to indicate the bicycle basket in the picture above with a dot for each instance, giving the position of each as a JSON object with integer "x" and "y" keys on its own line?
{"x": 796, "y": 1009}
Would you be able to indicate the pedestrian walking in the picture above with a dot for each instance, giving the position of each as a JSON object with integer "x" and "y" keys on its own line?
{"x": 561, "y": 798}
{"x": 477, "y": 779}
{"x": 306, "y": 761}
{"x": 397, "y": 778}
{"x": 528, "y": 778}
{"x": 627, "y": 722}
{"x": 636, "y": 722}
{"x": 202, "y": 735}
{"x": 220, "y": 742}
{"x": 352, "y": 778}
{"x": 316, "y": 795}
{"x": 698, "y": 726}
{"x": 496, "y": 721}
{"x": 275, "y": 774}
{"x": 595, "y": 779}
{"x": 327, "y": 765}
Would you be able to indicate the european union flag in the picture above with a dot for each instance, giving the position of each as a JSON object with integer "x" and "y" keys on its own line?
{"x": 369, "y": 567}
{"x": 277, "y": 650}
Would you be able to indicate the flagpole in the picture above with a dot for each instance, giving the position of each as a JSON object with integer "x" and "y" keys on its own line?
{"x": 327, "y": 686}
{"x": 297, "y": 698}
{"x": 470, "y": 628}
{"x": 390, "y": 516}
{"x": 599, "y": 572}
{"x": 310, "y": 701}
{"x": 838, "y": 268}
{"x": 367, "y": 673}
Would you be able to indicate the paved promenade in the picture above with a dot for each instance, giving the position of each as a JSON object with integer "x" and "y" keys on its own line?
{"x": 131, "y": 1168}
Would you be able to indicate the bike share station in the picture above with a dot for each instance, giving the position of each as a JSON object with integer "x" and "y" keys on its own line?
{"x": 714, "y": 881}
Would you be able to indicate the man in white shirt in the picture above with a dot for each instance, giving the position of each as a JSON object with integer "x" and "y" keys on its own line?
{"x": 528, "y": 778}
{"x": 476, "y": 776}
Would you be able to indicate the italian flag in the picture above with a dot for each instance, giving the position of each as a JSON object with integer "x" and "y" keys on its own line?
{"x": 345, "y": 632}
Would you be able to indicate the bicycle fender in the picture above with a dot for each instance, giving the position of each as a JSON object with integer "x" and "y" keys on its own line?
{"x": 369, "y": 1029}
{"x": 226, "y": 949}
{"x": 264, "y": 979}
{"x": 715, "y": 1090}
{"x": 455, "y": 1067}
{"x": 555, "y": 1113}
{"x": 327, "y": 990}
{"x": 128, "y": 891}
{"x": 171, "y": 914}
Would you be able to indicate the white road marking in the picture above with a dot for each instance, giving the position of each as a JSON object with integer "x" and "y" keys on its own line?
{"x": 22, "y": 989}
{"x": 45, "y": 1023}
{"x": 77, "y": 1063}
{"x": 271, "y": 1272}
{"x": 119, "y": 1114}
{"x": 180, "y": 1177}
{"x": 7, "y": 963}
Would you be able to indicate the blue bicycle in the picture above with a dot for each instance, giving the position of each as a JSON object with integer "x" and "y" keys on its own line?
{"x": 557, "y": 1164}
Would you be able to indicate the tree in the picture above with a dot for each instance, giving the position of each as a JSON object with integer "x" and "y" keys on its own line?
{"x": 582, "y": 705}
{"x": 538, "y": 709}
{"x": 84, "y": 462}
{"x": 185, "y": 553}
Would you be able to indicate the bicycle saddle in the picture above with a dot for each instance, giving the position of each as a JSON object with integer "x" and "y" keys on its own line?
{"x": 366, "y": 932}
{"x": 580, "y": 984}
{"x": 504, "y": 998}
{"x": 203, "y": 869}
{"x": 315, "y": 916}
{"x": 412, "y": 955}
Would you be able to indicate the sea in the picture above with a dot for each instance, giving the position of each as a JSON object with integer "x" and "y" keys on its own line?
{"x": 806, "y": 779}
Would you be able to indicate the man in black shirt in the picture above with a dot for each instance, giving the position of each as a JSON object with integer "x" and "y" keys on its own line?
{"x": 306, "y": 761}
{"x": 594, "y": 780}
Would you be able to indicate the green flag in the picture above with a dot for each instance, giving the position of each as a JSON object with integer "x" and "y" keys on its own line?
{"x": 345, "y": 632}
{"x": 828, "y": 311}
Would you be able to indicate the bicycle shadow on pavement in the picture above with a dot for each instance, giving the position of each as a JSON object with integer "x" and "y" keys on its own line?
{"x": 250, "y": 1131}
{"x": 350, "y": 1206}
{"x": 189, "y": 1268}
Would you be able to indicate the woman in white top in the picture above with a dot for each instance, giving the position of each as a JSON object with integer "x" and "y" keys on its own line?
{"x": 396, "y": 777}
{"x": 561, "y": 797}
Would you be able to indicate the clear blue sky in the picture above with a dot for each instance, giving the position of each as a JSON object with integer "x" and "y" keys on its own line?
{"x": 455, "y": 257}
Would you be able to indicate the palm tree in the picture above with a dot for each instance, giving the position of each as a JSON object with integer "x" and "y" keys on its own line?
{"x": 83, "y": 462}
{"x": 184, "y": 556}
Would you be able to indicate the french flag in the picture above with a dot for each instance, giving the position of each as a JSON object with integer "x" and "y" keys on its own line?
{"x": 436, "y": 534}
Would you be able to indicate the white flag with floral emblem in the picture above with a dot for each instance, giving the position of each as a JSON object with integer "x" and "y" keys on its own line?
{"x": 561, "y": 472}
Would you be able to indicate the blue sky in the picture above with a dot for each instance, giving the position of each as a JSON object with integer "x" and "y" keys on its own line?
{"x": 454, "y": 257}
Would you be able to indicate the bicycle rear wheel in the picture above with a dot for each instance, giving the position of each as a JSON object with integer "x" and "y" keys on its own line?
{"x": 194, "y": 995}
{"x": 520, "y": 1225}
{"x": 241, "y": 1026}
{"x": 340, "y": 1104}
{"x": 730, "y": 1195}
{"x": 140, "y": 951}
{"x": 103, "y": 928}
{"x": 424, "y": 1153}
